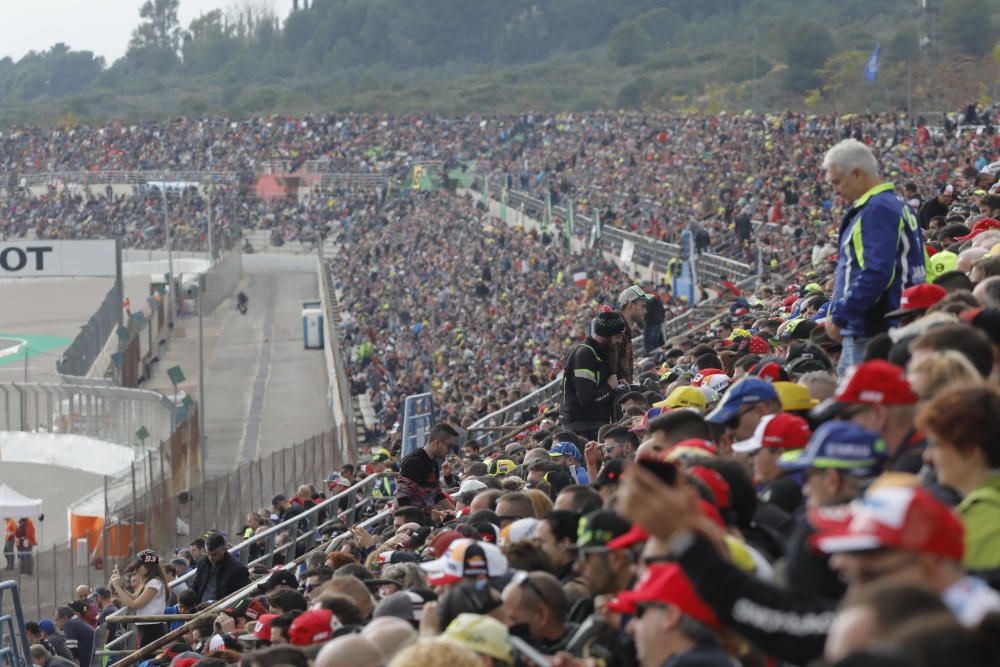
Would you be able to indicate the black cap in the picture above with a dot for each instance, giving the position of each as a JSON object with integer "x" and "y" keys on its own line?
{"x": 600, "y": 527}
{"x": 609, "y": 324}
{"x": 278, "y": 577}
{"x": 611, "y": 473}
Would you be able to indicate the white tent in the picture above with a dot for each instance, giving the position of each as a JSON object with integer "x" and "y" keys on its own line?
{"x": 15, "y": 506}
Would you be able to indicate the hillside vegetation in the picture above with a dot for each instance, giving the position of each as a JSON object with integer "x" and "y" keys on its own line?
{"x": 459, "y": 56}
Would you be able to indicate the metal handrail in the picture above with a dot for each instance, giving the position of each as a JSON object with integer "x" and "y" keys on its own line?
{"x": 241, "y": 550}
{"x": 245, "y": 592}
{"x": 15, "y": 650}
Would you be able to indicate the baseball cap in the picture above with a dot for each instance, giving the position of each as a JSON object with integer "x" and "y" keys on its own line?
{"x": 286, "y": 577}
{"x": 501, "y": 466}
{"x": 466, "y": 558}
{"x": 684, "y": 397}
{"x": 381, "y": 456}
{"x": 313, "y": 626}
{"x": 442, "y": 541}
{"x": 406, "y": 605}
{"x": 610, "y": 473}
{"x": 902, "y": 518}
{"x": 841, "y": 445}
{"x": 634, "y": 536}
{"x": 942, "y": 262}
{"x": 984, "y": 225}
{"x": 565, "y": 449}
{"x": 747, "y": 391}
{"x": 985, "y": 319}
{"x": 715, "y": 482}
{"x": 687, "y": 449}
{"x": 480, "y": 634}
{"x": 248, "y": 608}
{"x": 797, "y": 329}
{"x": 518, "y": 531}
{"x": 704, "y": 374}
{"x": 665, "y": 583}
{"x": 598, "y": 528}
{"x": 632, "y": 293}
{"x": 877, "y": 382}
{"x": 259, "y": 630}
{"x": 918, "y": 297}
{"x": 781, "y": 431}
{"x": 47, "y": 626}
{"x": 471, "y": 485}
{"x": 794, "y": 396}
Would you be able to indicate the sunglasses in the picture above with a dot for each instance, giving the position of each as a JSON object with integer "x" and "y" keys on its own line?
{"x": 524, "y": 579}
{"x": 642, "y": 607}
{"x": 735, "y": 421}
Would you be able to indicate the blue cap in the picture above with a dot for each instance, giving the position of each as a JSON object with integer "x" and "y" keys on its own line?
{"x": 745, "y": 392}
{"x": 823, "y": 311}
{"x": 842, "y": 446}
{"x": 47, "y": 626}
{"x": 565, "y": 449}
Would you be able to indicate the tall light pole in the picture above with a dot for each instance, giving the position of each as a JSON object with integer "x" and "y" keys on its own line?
{"x": 170, "y": 248}
{"x": 201, "y": 369}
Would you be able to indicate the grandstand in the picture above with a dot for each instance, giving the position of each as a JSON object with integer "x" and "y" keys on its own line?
{"x": 474, "y": 295}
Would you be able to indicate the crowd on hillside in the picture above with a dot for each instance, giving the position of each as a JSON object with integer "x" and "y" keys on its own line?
{"x": 655, "y": 173}
{"x": 812, "y": 480}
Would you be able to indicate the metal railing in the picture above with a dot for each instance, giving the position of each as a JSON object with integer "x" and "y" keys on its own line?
{"x": 120, "y": 177}
{"x": 106, "y": 413}
{"x": 301, "y": 529}
{"x": 646, "y": 250}
{"x": 14, "y": 644}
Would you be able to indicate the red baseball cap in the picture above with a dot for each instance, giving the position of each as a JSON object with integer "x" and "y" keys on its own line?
{"x": 890, "y": 516}
{"x": 918, "y": 297}
{"x": 692, "y": 447}
{"x": 789, "y": 301}
{"x": 984, "y": 225}
{"x": 665, "y": 583}
{"x": 259, "y": 630}
{"x": 442, "y": 541}
{"x": 634, "y": 535}
{"x": 781, "y": 431}
{"x": 704, "y": 374}
{"x": 715, "y": 482}
{"x": 876, "y": 382}
{"x": 313, "y": 626}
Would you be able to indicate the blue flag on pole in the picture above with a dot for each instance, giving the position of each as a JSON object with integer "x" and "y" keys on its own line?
{"x": 871, "y": 67}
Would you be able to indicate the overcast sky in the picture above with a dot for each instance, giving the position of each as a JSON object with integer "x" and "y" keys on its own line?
{"x": 101, "y": 26}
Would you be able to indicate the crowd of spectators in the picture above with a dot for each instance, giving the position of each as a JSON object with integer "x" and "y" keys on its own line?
{"x": 813, "y": 478}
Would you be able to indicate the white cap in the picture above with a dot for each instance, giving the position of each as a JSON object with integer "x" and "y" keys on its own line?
{"x": 471, "y": 485}
{"x": 755, "y": 441}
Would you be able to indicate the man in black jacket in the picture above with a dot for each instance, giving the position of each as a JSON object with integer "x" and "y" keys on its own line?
{"x": 219, "y": 574}
{"x": 589, "y": 381}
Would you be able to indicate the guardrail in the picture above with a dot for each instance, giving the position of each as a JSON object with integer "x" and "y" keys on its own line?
{"x": 106, "y": 413}
{"x": 86, "y": 347}
{"x": 62, "y": 178}
{"x": 302, "y": 529}
{"x": 611, "y": 239}
{"x": 14, "y": 648}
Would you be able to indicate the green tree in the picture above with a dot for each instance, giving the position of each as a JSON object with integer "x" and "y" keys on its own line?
{"x": 628, "y": 43}
{"x": 967, "y": 26}
{"x": 160, "y": 27}
{"x": 807, "y": 47}
{"x": 156, "y": 40}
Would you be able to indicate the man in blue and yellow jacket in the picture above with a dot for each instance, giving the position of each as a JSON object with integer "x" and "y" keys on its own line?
{"x": 881, "y": 251}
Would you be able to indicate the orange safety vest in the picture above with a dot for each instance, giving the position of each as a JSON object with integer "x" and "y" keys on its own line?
{"x": 10, "y": 530}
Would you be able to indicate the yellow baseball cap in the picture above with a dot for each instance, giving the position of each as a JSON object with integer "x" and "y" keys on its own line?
{"x": 794, "y": 397}
{"x": 684, "y": 397}
{"x": 480, "y": 634}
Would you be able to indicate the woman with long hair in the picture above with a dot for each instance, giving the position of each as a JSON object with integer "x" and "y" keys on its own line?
{"x": 149, "y": 598}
